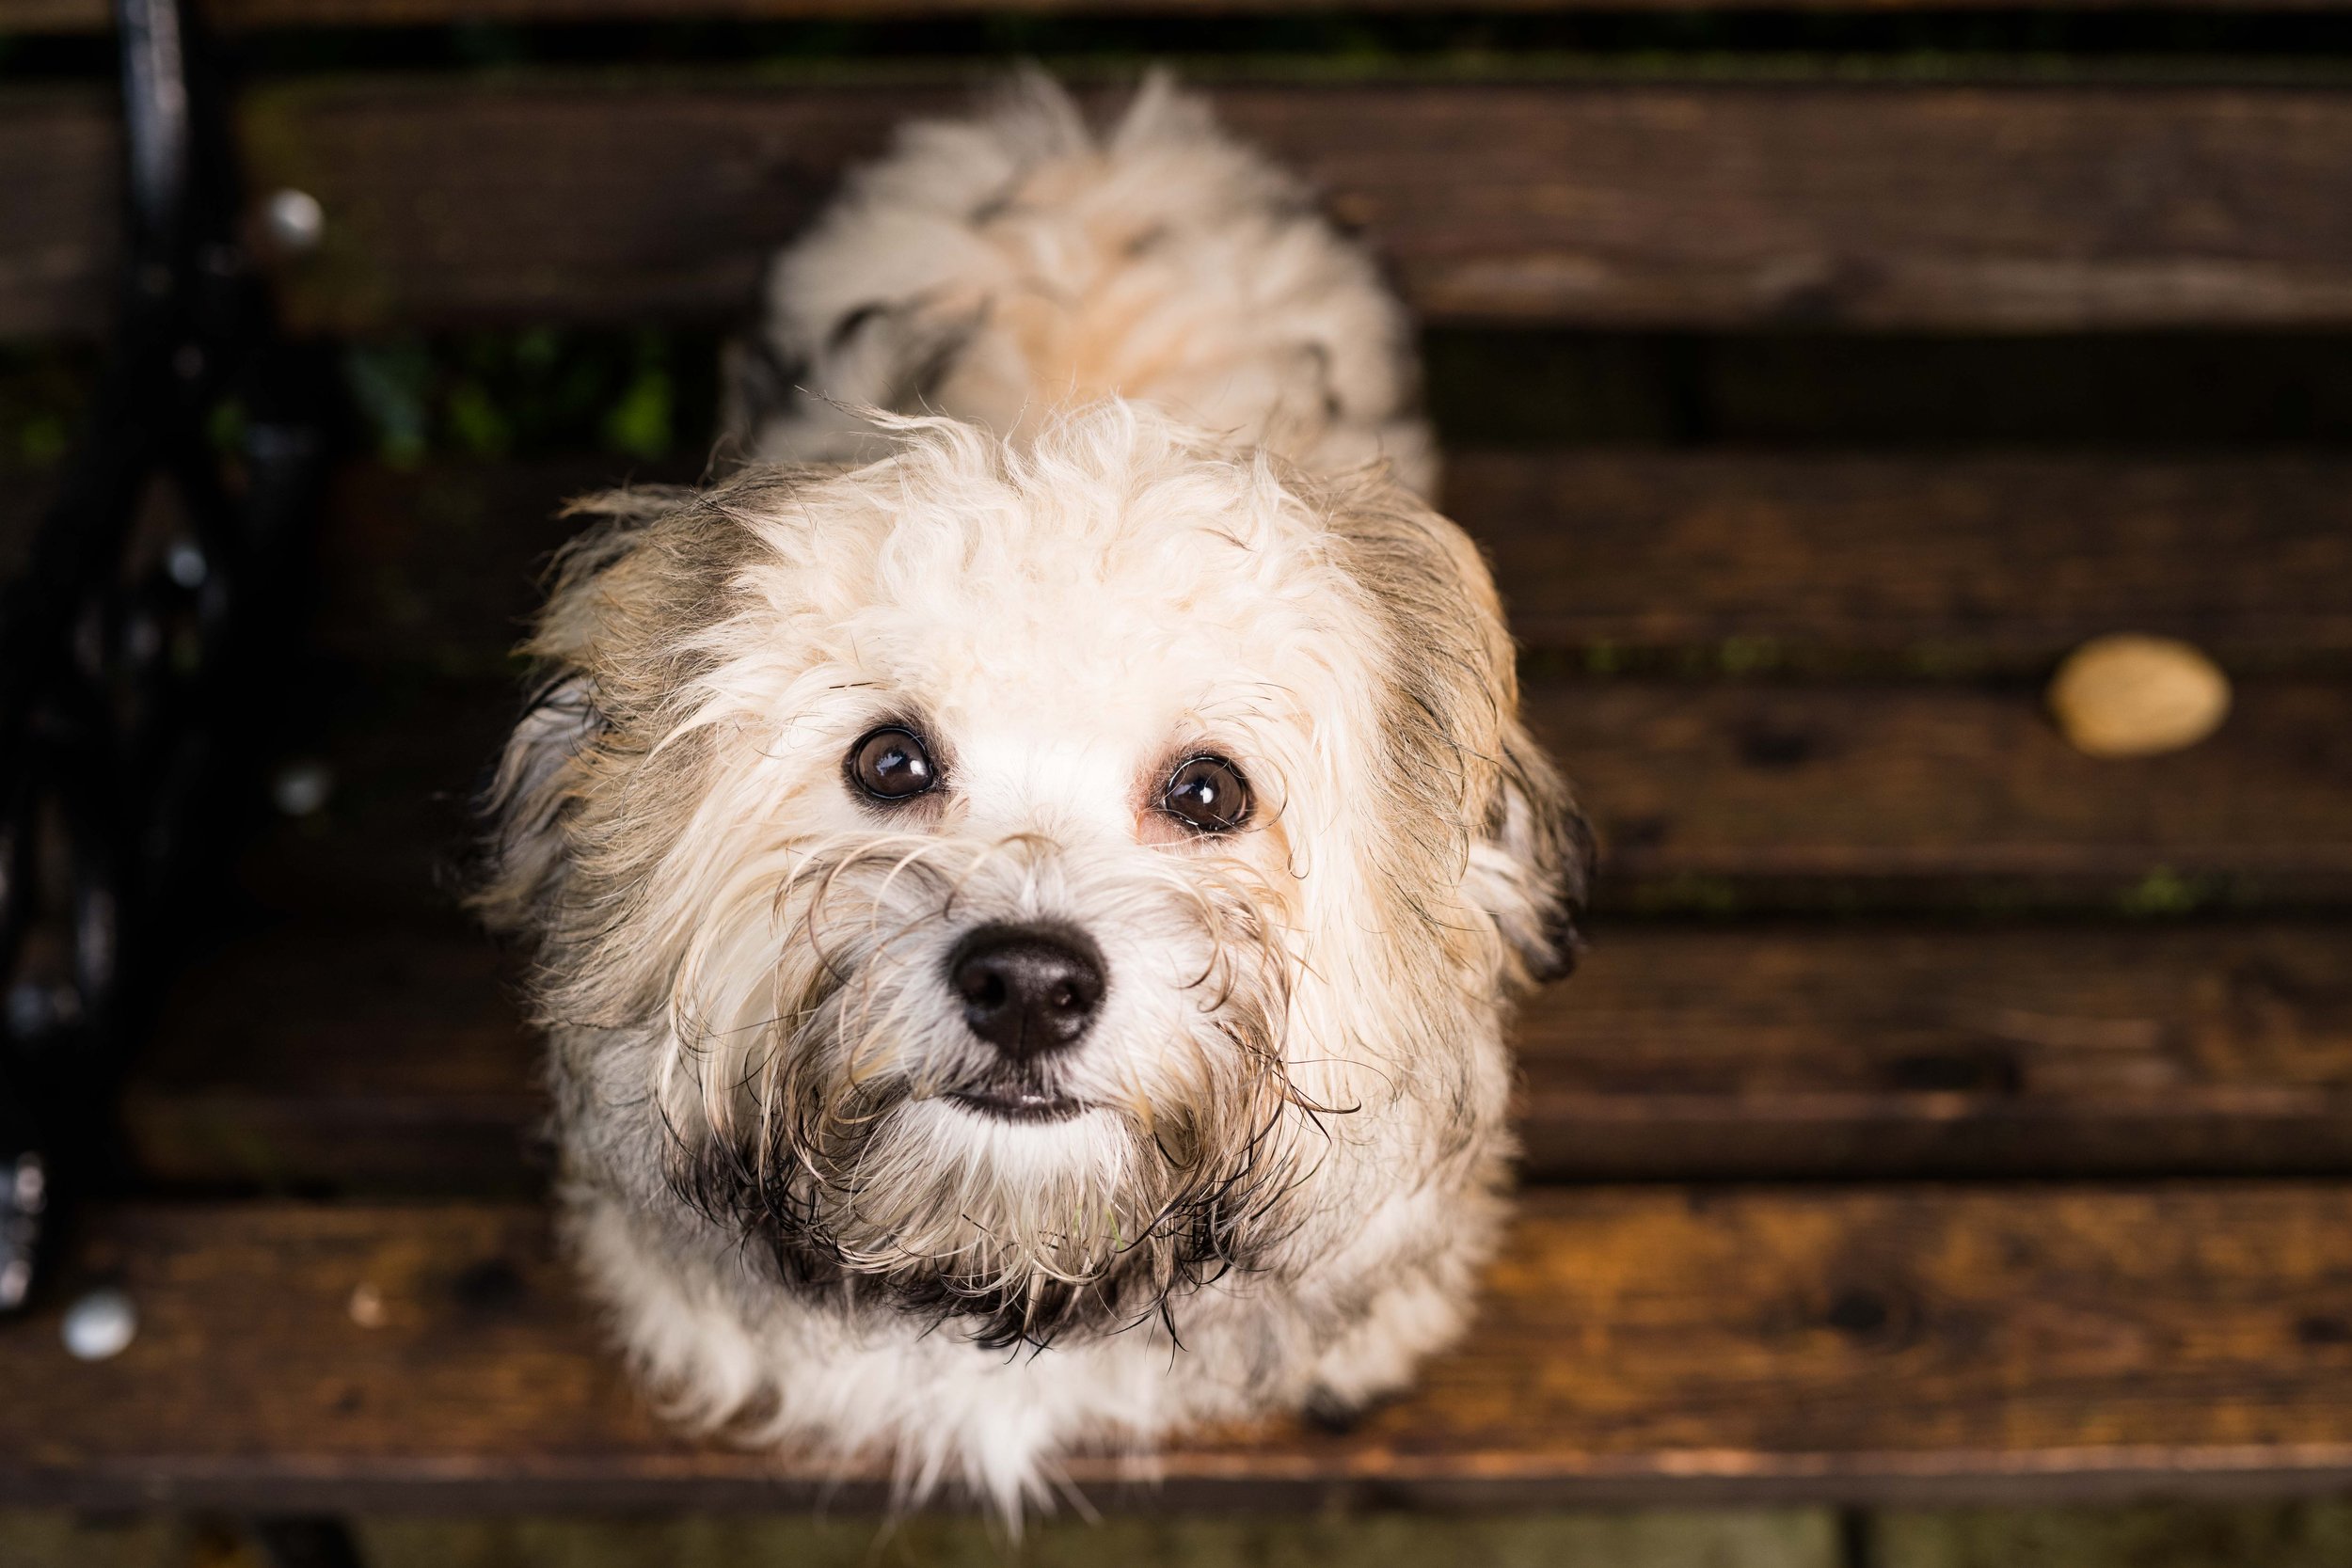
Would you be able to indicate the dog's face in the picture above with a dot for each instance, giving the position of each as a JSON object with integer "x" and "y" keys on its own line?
{"x": 1030, "y": 866}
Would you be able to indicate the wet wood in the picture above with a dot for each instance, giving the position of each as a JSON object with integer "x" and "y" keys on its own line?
{"x": 1862, "y": 1342}
{"x": 1703, "y": 561}
{"x": 362, "y": 1056}
{"x": 1721, "y": 796}
{"x": 1929, "y": 564}
{"x": 1710, "y": 797}
{"x": 1593, "y": 204}
{"x": 1909, "y": 1050}
{"x": 38, "y": 15}
{"x": 345, "y": 1056}
{"x": 60, "y": 153}
{"x": 1747, "y": 561}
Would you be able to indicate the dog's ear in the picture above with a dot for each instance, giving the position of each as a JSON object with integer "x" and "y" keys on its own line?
{"x": 541, "y": 770}
{"x": 532, "y": 789}
{"x": 1455, "y": 733}
{"x": 1533, "y": 864}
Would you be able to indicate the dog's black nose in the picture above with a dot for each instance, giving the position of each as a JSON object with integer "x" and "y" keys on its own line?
{"x": 1028, "y": 989}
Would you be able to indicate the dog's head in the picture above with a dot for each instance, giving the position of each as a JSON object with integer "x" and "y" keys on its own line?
{"x": 1028, "y": 865}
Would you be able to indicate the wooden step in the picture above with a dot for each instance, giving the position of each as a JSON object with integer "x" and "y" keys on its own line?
{"x": 1721, "y": 796}
{"x": 1961, "y": 563}
{"x": 1710, "y": 797}
{"x": 376, "y": 1057}
{"x": 76, "y": 16}
{"x": 1700, "y": 562}
{"x": 1933, "y": 564}
{"x": 1857, "y": 1343}
{"x": 1617, "y": 203}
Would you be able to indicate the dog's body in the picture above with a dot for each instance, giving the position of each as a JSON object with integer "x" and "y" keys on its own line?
{"x": 1025, "y": 923}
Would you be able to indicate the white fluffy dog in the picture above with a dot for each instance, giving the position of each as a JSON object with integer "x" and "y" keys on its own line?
{"x": 1025, "y": 917}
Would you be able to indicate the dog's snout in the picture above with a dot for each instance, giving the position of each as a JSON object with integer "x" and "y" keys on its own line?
{"x": 1028, "y": 989}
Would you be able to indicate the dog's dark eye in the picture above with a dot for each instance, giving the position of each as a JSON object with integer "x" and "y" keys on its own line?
{"x": 1209, "y": 793}
{"x": 890, "y": 763}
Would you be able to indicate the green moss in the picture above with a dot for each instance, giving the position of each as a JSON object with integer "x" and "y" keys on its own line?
{"x": 640, "y": 423}
{"x": 2166, "y": 892}
{"x": 646, "y": 395}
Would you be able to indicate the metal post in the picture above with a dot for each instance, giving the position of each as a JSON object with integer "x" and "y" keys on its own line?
{"x": 119, "y": 658}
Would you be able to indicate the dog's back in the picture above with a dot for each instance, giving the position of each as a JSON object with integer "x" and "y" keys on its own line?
{"x": 1000, "y": 268}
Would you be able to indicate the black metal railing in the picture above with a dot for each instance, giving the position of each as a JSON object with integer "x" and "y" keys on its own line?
{"x": 142, "y": 617}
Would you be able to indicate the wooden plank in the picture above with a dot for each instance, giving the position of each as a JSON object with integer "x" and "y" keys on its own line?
{"x": 1593, "y": 203}
{"x": 342, "y": 1056}
{"x": 1895, "y": 1049}
{"x": 1819, "y": 1342}
{"x": 361, "y": 1056}
{"x": 81, "y": 16}
{"x": 1840, "y": 562}
{"x": 1717, "y": 796}
{"x": 1711, "y": 560}
{"x": 1931, "y": 563}
{"x": 1599, "y": 205}
{"x": 60, "y": 156}
{"x": 1710, "y": 798}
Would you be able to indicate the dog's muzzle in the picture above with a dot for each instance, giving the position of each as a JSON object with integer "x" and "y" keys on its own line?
{"x": 1030, "y": 992}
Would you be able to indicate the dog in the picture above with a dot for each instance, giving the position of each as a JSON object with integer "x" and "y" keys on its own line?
{"x": 1029, "y": 875}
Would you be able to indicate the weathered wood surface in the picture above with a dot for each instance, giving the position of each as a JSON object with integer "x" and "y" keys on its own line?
{"x": 1758, "y": 561}
{"x": 1968, "y": 563}
{"x": 79, "y": 16}
{"x": 1596, "y": 203}
{"x": 60, "y": 243}
{"x": 1722, "y": 794}
{"x": 366, "y": 1057}
{"x": 1710, "y": 797}
{"x": 1895, "y": 1049}
{"x": 1934, "y": 564}
{"x": 344, "y": 1056}
{"x": 1859, "y": 1342}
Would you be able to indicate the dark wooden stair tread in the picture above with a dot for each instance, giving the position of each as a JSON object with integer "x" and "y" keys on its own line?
{"x": 65, "y": 16}
{"x": 1710, "y": 795}
{"x": 1752, "y": 562}
{"x": 1748, "y": 559}
{"x": 1929, "y": 564}
{"x": 1858, "y": 1342}
{"x": 1619, "y": 203}
{"x": 390, "y": 1057}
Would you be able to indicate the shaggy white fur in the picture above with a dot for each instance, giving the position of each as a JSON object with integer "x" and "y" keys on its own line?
{"x": 1219, "y": 720}
{"x": 1005, "y": 267}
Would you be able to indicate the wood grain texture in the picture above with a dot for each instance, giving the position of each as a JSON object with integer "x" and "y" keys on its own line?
{"x": 1712, "y": 797}
{"x": 80, "y": 16}
{"x": 1966, "y": 563}
{"x": 60, "y": 155}
{"x": 1595, "y": 204}
{"x": 1854, "y": 1343}
{"x": 1971, "y": 563}
{"x": 362, "y": 1056}
{"x": 1724, "y": 795}
{"x": 1910, "y": 1049}
{"x": 1838, "y": 561}
{"x": 344, "y": 1056}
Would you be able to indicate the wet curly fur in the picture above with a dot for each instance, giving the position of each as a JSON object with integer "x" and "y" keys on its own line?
{"x": 1083, "y": 477}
